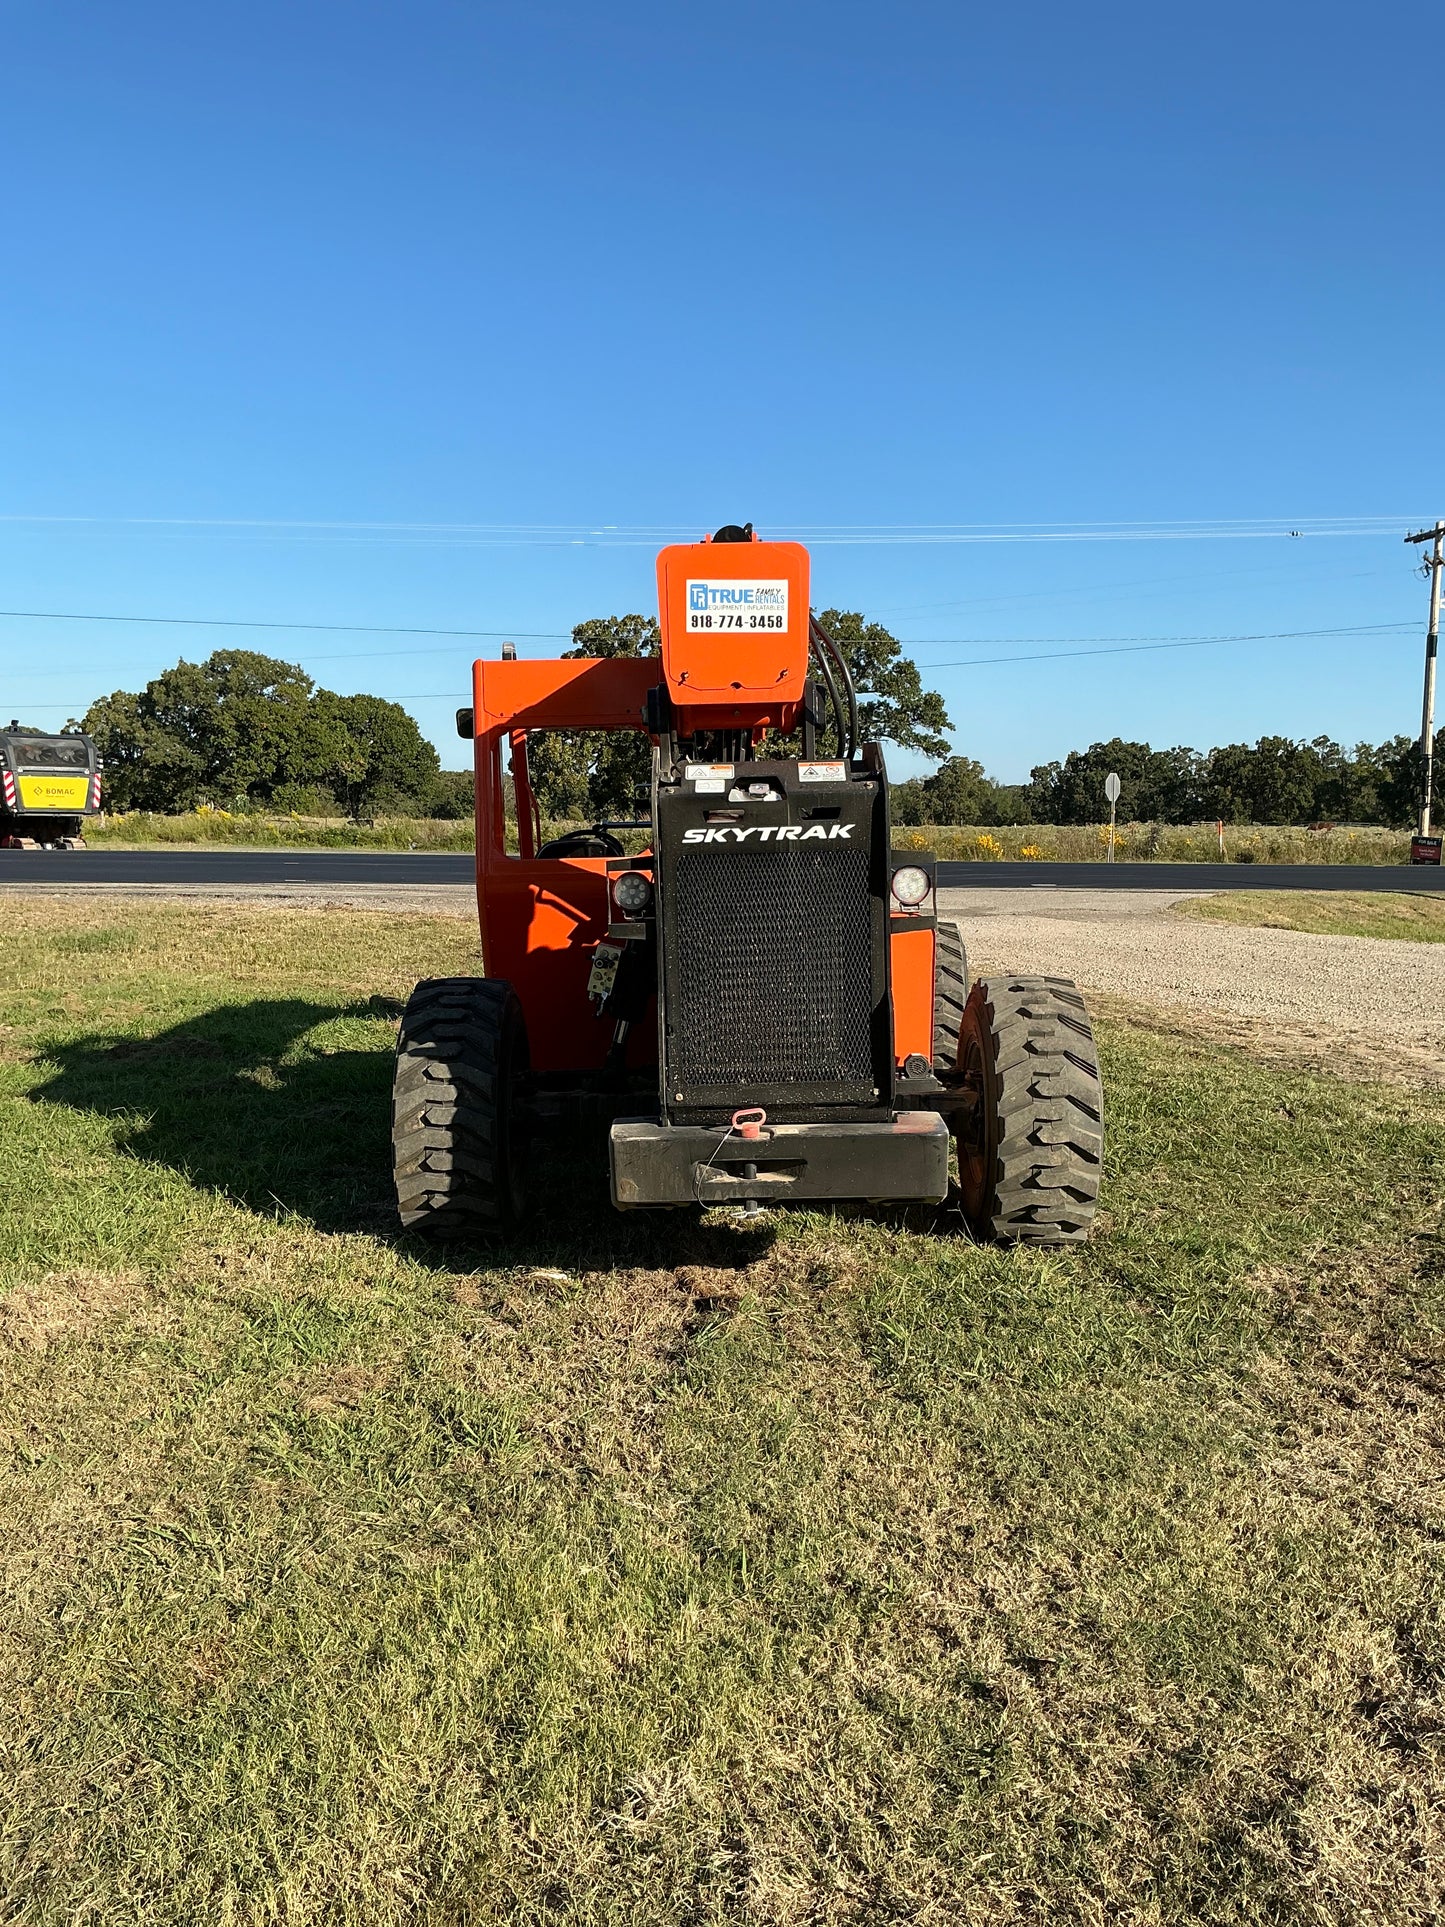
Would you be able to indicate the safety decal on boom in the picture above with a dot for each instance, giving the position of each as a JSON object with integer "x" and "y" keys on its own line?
{"x": 747, "y": 608}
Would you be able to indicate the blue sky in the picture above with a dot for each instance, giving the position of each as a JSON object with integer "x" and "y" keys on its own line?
{"x": 376, "y": 313}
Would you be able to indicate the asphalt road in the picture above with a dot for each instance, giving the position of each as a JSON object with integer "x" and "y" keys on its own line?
{"x": 199, "y": 867}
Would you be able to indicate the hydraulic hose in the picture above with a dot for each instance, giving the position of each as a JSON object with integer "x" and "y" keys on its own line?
{"x": 835, "y": 702}
{"x": 816, "y": 630}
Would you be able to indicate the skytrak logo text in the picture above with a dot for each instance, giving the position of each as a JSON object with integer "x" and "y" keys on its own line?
{"x": 771, "y": 832}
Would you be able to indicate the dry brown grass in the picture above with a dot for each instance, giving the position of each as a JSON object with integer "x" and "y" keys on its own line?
{"x": 829, "y": 1571}
{"x": 1324, "y": 1049}
{"x": 64, "y": 1306}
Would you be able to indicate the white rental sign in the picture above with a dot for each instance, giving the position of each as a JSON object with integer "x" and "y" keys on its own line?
{"x": 753, "y": 608}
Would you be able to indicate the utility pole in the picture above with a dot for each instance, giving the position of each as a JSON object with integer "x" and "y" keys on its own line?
{"x": 1434, "y": 562}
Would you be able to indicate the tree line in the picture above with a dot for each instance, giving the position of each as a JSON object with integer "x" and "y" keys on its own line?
{"x": 244, "y": 730}
{"x": 594, "y": 774}
{"x": 1276, "y": 780}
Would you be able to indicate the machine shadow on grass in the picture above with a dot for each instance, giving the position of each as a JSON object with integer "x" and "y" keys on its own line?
{"x": 237, "y": 1100}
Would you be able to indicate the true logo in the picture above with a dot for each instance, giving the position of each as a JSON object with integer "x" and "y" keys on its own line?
{"x": 737, "y": 598}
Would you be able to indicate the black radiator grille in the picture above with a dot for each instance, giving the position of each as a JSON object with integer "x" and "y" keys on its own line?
{"x": 774, "y": 967}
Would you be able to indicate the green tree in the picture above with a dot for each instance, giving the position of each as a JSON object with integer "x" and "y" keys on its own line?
{"x": 454, "y": 795}
{"x": 246, "y": 726}
{"x": 1402, "y": 779}
{"x": 1155, "y": 786}
{"x": 146, "y": 768}
{"x": 893, "y": 705}
{"x": 961, "y": 793}
{"x": 908, "y": 802}
{"x": 238, "y": 724}
{"x": 382, "y": 760}
{"x": 1275, "y": 781}
{"x": 594, "y": 774}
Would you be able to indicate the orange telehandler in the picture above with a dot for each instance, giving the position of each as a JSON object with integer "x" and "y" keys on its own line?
{"x": 763, "y": 1005}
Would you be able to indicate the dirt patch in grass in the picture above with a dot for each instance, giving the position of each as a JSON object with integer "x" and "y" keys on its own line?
{"x": 64, "y": 1306}
{"x": 341, "y": 1388}
{"x": 1327, "y": 1050}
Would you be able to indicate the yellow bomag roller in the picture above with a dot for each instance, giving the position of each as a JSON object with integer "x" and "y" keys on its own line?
{"x": 49, "y": 785}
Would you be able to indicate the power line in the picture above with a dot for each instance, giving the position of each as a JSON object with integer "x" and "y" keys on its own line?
{"x": 618, "y": 535}
{"x": 560, "y": 635}
{"x": 1141, "y": 648}
{"x": 1123, "y": 646}
{"x": 1125, "y": 643}
{"x": 233, "y": 622}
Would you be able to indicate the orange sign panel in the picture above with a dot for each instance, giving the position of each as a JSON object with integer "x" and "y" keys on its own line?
{"x": 734, "y": 621}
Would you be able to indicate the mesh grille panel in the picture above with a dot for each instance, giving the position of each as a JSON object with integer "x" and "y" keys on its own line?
{"x": 774, "y": 967}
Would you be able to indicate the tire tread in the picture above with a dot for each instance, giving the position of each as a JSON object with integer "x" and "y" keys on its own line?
{"x": 1049, "y": 1109}
{"x": 950, "y": 994}
{"x": 449, "y": 1156}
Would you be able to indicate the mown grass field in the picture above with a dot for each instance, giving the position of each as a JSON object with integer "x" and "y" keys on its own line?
{"x": 669, "y": 1570}
{"x": 1418, "y": 918}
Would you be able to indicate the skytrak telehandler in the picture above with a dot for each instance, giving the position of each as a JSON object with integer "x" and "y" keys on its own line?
{"x": 764, "y": 1005}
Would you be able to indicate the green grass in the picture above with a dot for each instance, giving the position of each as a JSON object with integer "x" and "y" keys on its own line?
{"x": 1419, "y": 918}
{"x": 670, "y": 1569}
{"x": 1068, "y": 843}
{"x": 1156, "y": 843}
{"x": 146, "y": 829}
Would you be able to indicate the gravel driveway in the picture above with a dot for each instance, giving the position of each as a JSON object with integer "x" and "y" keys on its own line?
{"x": 1354, "y": 1004}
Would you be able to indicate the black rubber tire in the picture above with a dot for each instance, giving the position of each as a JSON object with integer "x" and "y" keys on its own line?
{"x": 1030, "y": 1153}
{"x": 457, "y": 1134}
{"x": 950, "y": 994}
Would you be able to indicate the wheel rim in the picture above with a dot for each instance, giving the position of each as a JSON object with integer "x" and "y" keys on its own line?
{"x": 972, "y": 1134}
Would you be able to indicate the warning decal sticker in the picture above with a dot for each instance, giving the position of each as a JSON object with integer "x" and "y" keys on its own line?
{"x": 754, "y": 608}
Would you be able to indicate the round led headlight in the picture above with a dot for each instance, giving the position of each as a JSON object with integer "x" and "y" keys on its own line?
{"x": 632, "y": 893}
{"x": 910, "y": 885}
